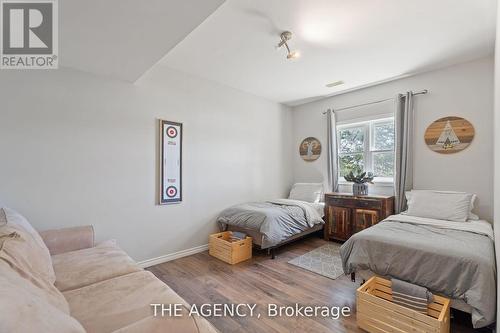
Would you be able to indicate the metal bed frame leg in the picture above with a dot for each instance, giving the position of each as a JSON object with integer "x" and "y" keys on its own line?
{"x": 271, "y": 251}
{"x": 353, "y": 277}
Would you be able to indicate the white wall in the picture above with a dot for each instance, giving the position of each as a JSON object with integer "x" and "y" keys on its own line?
{"x": 464, "y": 90}
{"x": 496, "y": 130}
{"x": 79, "y": 149}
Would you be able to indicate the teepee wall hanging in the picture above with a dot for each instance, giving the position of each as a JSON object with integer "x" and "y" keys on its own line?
{"x": 449, "y": 135}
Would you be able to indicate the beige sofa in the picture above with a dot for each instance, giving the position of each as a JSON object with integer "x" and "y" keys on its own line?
{"x": 59, "y": 281}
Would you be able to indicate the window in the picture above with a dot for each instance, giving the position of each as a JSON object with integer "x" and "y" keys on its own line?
{"x": 367, "y": 146}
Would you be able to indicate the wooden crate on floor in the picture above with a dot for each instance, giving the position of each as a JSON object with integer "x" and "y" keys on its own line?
{"x": 377, "y": 314}
{"x": 222, "y": 247}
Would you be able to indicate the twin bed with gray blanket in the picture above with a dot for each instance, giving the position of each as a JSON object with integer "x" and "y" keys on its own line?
{"x": 272, "y": 223}
{"x": 454, "y": 259}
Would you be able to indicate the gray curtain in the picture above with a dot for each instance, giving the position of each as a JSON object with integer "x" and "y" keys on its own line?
{"x": 332, "y": 158}
{"x": 403, "y": 178}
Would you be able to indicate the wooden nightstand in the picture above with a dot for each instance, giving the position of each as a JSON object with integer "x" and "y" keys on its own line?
{"x": 347, "y": 214}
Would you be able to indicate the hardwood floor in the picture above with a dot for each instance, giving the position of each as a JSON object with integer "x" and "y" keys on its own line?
{"x": 201, "y": 278}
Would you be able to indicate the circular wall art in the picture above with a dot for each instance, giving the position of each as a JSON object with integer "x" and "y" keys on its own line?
{"x": 449, "y": 135}
{"x": 171, "y": 191}
{"x": 310, "y": 149}
{"x": 171, "y": 132}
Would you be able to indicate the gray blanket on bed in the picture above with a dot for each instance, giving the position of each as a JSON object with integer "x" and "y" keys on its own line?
{"x": 277, "y": 220}
{"x": 456, "y": 263}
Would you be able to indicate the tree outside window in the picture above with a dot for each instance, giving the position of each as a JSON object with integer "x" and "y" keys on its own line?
{"x": 367, "y": 146}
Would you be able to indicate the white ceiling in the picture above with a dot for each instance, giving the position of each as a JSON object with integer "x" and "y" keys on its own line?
{"x": 125, "y": 38}
{"x": 357, "y": 41}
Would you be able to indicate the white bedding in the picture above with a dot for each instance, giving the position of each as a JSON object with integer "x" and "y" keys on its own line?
{"x": 277, "y": 220}
{"x": 476, "y": 226}
{"x": 313, "y": 211}
{"x": 320, "y": 208}
{"x": 308, "y": 192}
{"x": 442, "y": 205}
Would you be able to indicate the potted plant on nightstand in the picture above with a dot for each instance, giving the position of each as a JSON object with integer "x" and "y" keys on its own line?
{"x": 360, "y": 179}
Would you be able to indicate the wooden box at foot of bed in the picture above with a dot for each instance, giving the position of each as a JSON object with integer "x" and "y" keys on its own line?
{"x": 376, "y": 313}
{"x": 233, "y": 251}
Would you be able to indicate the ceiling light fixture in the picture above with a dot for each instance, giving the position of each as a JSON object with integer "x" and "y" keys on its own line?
{"x": 285, "y": 37}
{"x": 333, "y": 84}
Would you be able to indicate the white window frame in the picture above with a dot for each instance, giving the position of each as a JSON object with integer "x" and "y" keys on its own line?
{"x": 368, "y": 150}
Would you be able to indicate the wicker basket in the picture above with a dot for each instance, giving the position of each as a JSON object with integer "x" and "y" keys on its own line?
{"x": 222, "y": 247}
{"x": 376, "y": 313}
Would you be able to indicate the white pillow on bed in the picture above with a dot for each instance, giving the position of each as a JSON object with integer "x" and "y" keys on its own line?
{"x": 472, "y": 216}
{"x": 310, "y": 192}
{"x": 441, "y": 205}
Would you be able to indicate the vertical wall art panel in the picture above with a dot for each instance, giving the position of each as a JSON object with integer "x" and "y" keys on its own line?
{"x": 171, "y": 162}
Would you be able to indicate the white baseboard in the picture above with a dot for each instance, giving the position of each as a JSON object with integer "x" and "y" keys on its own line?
{"x": 172, "y": 256}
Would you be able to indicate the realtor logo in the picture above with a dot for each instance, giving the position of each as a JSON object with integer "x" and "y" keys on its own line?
{"x": 29, "y": 36}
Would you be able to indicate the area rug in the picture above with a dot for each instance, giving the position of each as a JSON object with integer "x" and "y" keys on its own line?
{"x": 324, "y": 260}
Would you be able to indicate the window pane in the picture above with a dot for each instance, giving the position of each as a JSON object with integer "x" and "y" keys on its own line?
{"x": 351, "y": 140}
{"x": 383, "y": 164}
{"x": 351, "y": 162}
{"x": 383, "y": 136}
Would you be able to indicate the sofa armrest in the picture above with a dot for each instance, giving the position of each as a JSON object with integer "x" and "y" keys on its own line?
{"x": 68, "y": 239}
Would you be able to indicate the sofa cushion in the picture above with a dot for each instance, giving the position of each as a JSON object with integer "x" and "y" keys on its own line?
{"x": 18, "y": 250}
{"x": 12, "y": 249}
{"x": 81, "y": 268}
{"x": 68, "y": 239}
{"x": 26, "y": 308}
{"x": 28, "y": 253}
{"x": 124, "y": 304}
{"x": 38, "y": 287}
{"x": 15, "y": 219}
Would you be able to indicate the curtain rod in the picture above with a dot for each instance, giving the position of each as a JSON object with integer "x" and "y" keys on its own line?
{"x": 422, "y": 92}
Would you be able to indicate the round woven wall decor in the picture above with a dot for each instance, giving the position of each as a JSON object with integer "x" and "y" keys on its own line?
{"x": 449, "y": 135}
{"x": 310, "y": 149}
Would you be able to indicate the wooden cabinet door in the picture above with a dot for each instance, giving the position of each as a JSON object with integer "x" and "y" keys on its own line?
{"x": 339, "y": 222}
{"x": 365, "y": 218}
